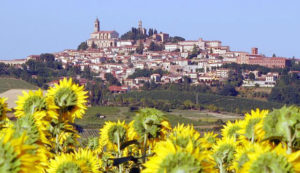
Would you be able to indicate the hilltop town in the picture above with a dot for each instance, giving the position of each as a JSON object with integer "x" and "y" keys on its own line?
{"x": 199, "y": 60}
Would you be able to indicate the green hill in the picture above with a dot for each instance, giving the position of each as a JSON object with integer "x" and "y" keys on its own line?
{"x": 12, "y": 83}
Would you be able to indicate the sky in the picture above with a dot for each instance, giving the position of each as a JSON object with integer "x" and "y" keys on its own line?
{"x": 42, "y": 26}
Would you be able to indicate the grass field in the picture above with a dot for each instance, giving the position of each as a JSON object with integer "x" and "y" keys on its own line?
{"x": 224, "y": 103}
{"x": 202, "y": 120}
{"x": 11, "y": 83}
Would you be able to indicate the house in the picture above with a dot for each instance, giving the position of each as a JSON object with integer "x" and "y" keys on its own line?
{"x": 171, "y": 47}
{"x": 118, "y": 89}
{"x": 222, "y": 73}
{"x": 140, "y": 80}
{"x": 155, "y": 77}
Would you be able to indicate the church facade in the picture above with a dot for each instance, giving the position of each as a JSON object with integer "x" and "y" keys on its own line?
{"x": 102, "y": 39}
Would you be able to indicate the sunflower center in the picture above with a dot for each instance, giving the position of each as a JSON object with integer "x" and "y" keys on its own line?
{"x": 9, "y": 161}
{"x": 66, "y": 99}
{"x": 117, "y": 134}
{"x": 271, "y": 163}
{"x": 69, "y": 167}
{"x": 34, "y": 103}
{"x": 180, "y": 162}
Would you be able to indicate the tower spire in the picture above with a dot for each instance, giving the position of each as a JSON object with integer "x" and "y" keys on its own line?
{"x": 97, "y": 25}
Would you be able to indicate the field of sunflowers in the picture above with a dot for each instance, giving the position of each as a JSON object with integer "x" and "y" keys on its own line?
{"x": 44, "y": 138}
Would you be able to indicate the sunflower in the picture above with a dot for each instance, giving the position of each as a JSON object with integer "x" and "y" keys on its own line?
{"x": 223, "y": 153}
{"x": 241, "y": 155}
{"x": 89, "y": 158}
{"x": 3, "y": 109}
{"x": 15, "y": 154}
{"x": 68, "y": 140}
{"x": 113, "y": 134}
{"x": 35, "y": 129}
{"x": 181, "y": 135}
{"x": 151, "y": 124}
{"x": 231, "y": 130}
{"x": 252, "y": 125}
{"x": 69, "y": 99}
{"x": 67, "y": 163}
{"x": 132, "y": 134}
{"x": 30, "y": 103}
{"x": 208, "y": 140}
{"x": 36, "y": 136}
{"x": 264, "y": 159}
{"x": 172, "y": 158}
{"x": 4, "y": 121}
{"x": 283, "y": 125}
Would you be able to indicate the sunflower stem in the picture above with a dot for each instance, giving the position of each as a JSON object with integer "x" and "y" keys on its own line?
{"x": 57, "y": 143}
{"x": 119, "y": 153}
{"x": 222, "y": 170}
{"x": 290, "y": 142}
{"x": 145, "y": 147}
{"x": 252, "y": 138}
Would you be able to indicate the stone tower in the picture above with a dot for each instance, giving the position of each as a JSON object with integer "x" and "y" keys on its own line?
{"x": 254, "y": 51}
{"x": 140, "y": 25}
{"x": 97, "y": 26}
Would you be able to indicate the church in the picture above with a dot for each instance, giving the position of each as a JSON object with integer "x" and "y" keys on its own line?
{"x": 102, "y": 39}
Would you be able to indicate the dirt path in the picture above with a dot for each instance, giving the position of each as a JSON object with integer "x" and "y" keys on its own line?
{"x": 223, "y": 116}
{"x": 12, "y": 96}
{"x": 201, "y": 115}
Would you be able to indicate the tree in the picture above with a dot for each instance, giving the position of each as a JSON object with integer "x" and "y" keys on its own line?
{"x": 228, "y": 90}
{"x": 155, "y": 47}
{"x": 195, "y": 52}
{"x": 150, "y": 32}
{"x": 111, "y": 79}
{"x": 176, "y": 39}
{"x": 235, "y": 78}
{"x": 83, "y": 46}
{"x": 140, "y": 49}
{"x": 212, "y": 108}
{"x": 251, "y": 76}
{"x": 134, "y": 34}
{"x": 188, "y": 104}
{"x": 220, "y": 57}
{"x": 94, "y": 46}
{"x": 87, "y": 73}
{"x": 274, "y": 55}
{"x": 47, "y": 57}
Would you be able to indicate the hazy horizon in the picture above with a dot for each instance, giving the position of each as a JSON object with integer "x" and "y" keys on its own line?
{"x": 35, "y": 27}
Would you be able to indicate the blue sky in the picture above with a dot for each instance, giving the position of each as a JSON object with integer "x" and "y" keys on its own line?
{"x": 39, "y": 26}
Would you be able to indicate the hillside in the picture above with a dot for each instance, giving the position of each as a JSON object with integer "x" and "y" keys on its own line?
{"x": 12, "y": 83}
{"x": 223, "y": 103}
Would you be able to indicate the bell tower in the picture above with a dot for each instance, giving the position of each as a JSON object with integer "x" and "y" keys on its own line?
{"x": 140, "y": 25}
{"x": 97, "y": 26}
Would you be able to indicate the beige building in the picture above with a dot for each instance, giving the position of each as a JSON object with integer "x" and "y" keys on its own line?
{"x": 103, "y": 38}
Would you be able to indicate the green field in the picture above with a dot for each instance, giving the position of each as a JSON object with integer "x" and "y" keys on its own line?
{"x": 11, "y": 83}
{"x": 194, "y": 117}
{"x": 224, "y": 103}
